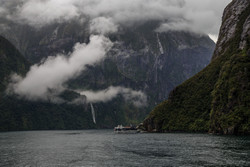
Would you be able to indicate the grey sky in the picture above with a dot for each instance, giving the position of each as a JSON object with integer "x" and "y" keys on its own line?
{"x": 200, "y": 16}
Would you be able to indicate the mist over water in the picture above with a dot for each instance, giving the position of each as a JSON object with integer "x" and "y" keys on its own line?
{"x": 104, "y": 148}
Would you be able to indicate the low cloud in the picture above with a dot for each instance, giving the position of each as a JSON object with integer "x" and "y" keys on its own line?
{"x": 138, "y": 98}
{"x": 48, "y": 78}
{"x": 41, "y": 12}
{"x": 2, "y": 10}
{"x": 103, "y": 25}
{"x": 199, "y": 16}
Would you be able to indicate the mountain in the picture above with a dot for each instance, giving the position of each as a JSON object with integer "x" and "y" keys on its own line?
{"x": 217, "y": 99}
{"x": 141, "y": 59}
{"x": 10, "y": 61}
{"x": 20, "y": 114}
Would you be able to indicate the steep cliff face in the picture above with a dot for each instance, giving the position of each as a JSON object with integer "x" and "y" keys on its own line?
{"x": 230, "y": 111}
{"x": 217, "y": 98}
{"x": 228, "y": 30}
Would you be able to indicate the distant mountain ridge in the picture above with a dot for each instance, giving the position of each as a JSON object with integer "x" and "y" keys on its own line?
{"x": 217, "y": 99}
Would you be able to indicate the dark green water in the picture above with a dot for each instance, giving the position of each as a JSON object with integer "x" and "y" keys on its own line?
{"x": 104, "y": 148}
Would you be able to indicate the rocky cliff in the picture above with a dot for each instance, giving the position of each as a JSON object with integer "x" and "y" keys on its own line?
{"x": 217, "y": 99}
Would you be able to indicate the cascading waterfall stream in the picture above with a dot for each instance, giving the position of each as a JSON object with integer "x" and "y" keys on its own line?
{"x": 93, "y": 113}
{"x": 159, "y": 44}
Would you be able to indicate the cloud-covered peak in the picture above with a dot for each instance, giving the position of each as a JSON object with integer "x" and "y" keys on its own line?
{"x": 199, "y": 16}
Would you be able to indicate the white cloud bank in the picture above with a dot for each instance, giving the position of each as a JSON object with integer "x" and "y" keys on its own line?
{"x": 200, "y": 16}
{"x": 138, "y": 98}
{"x": 49, "y": 76}
{"x": 41, "y": 12}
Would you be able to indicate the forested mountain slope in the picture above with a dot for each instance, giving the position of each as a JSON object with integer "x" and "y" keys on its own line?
{"x": 217, "y": 99}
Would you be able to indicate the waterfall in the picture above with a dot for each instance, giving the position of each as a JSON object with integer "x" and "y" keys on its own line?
{"x": 159, "y": 44}
{"x": 93, "y": 113}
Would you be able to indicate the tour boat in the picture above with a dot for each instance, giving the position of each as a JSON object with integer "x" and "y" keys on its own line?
{"x": 125, "y": 129}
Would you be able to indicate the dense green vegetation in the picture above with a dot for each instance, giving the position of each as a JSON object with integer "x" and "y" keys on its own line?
{"x": 216, "y": 99}
{"x": 10, "y": 61}
{"x": 188, "y": 106}
{"x": 231, "y": 96}
{"x": 19, "y": 114}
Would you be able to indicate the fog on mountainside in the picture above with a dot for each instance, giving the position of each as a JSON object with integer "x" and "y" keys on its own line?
{"x": 55, "y": 71}
{"x": 120, "y": 55}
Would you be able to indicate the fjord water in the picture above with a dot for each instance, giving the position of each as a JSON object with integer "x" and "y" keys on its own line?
{"x": 104, "y": 148}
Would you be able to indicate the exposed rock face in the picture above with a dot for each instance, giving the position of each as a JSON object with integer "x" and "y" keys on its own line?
{"x": 228, "y": 28}
{"x": 245, "y": 34}
{"x": 217, "y": 99}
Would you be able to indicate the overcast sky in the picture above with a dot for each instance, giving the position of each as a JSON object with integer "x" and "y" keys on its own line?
{"x": 200, "y": 16}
